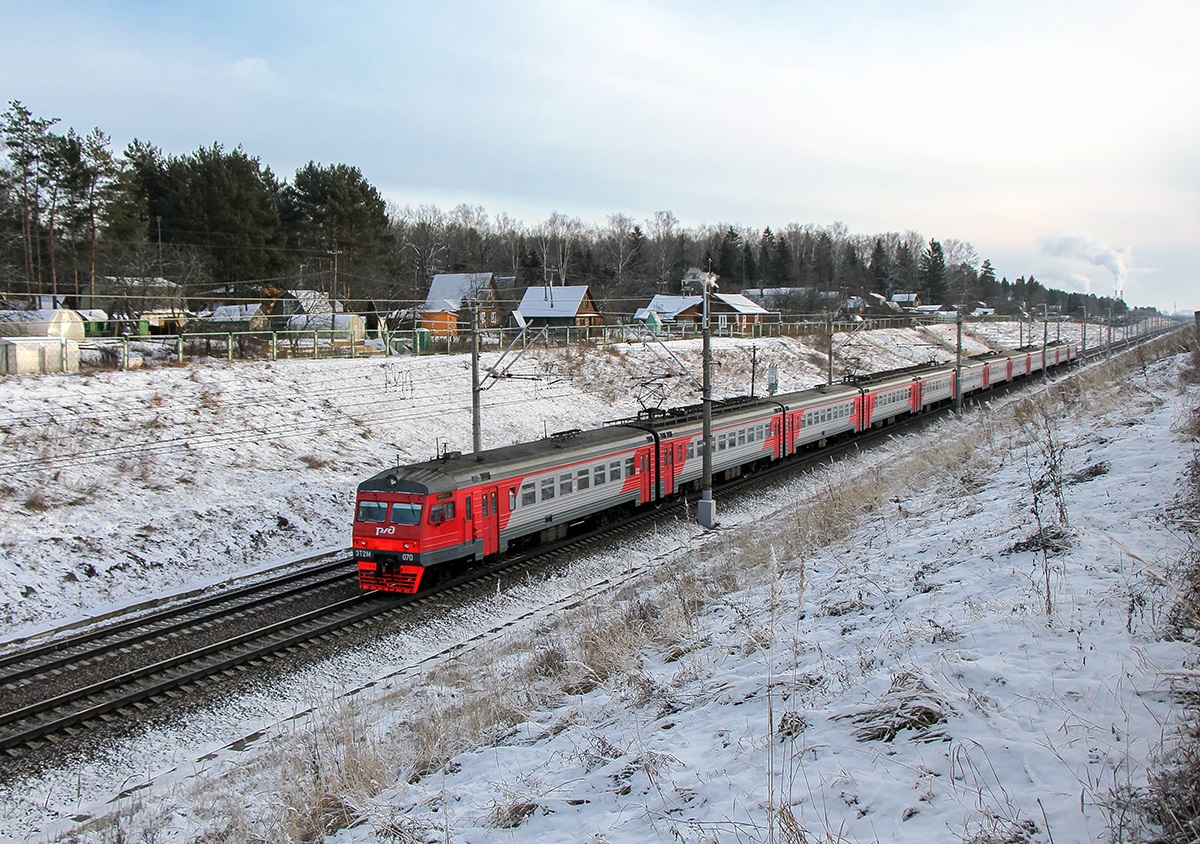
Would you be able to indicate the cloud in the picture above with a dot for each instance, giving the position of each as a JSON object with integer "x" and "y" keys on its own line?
{"x": 1080, "y": 246}
{"x": 251, "y": 72}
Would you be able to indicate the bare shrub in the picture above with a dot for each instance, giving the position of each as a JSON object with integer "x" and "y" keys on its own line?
{"x": 314, "y": 461}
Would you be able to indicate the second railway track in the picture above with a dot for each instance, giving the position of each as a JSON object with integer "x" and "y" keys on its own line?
{"x": 50, "y": 690}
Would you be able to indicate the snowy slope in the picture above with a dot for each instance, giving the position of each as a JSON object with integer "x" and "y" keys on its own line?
{"x": 123, "y": 485}
{"x": 1023, "y": 720}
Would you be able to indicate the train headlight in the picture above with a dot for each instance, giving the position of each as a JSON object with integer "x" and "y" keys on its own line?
{"x": 392, "y": 481}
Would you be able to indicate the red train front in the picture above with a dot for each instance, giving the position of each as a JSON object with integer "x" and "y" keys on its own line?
{"x": 403, "y": 525}
{"x": 387, "y": 541}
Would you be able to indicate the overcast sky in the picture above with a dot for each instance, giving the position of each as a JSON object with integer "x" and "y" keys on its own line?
{"x": 1060, "y": 138}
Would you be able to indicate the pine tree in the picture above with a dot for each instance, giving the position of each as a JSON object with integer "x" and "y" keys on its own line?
{"x": 932, "y": 274}
{"x": 335, "y": 215}
{"x": 881, "y": 268}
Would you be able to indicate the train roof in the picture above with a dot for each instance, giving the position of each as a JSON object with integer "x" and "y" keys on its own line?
{"x": 660, "y": 418}
{"x": 454, "y": 469}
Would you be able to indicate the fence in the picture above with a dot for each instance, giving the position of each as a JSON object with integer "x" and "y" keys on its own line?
{"x": 132, "y": 352}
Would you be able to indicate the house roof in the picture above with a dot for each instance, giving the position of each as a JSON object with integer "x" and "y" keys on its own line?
{"x": 234, "y": 313}
{"x": 313, "y": 301}
{"x": 448, "y": 291}
{"x": 669, "y": 307}
{"x": 547, "y": 301}
{"x": 740, "y": 303}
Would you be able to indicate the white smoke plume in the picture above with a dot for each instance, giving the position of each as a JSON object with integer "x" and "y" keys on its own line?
{"x": 1080, "y": 246}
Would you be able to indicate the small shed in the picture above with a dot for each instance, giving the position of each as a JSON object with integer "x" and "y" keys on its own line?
{"x": 332, "y": 326}
{"x": 95, "y": 321}
{"x": 59, "y": 322}
{"x": 247, "y": 317}
{"x": 38, "y": 355}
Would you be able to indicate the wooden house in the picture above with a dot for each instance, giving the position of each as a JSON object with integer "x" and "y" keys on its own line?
{"x": 547, "y": 305}
{"x": 451, "y": 298}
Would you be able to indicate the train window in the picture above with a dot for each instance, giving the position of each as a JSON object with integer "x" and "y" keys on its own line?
{"x": 512, "y": 500}
{"x": 441, "y": 513}
{"x": 691, "y": 450}
{"x": 406, "y": 514}
{"x": 742, "y": 437}
{"x": 629, "y": 467}
{"x": 547, "y": 489}
{"x": 467, "y": 508}
{"x": 484, "y": 509}
{"x": 721, "y": 442}
{"x": 565, "y": 484}
{"x": 614, "y": 470}
{"x": 600, "y": 475}
{"x": 583, "y": 479}
{"x": 528, "y": 495}
{"x": 372, "y": 511}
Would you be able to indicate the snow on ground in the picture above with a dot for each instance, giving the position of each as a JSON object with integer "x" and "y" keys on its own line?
{"x": 119, "y": 486}
{"x": 1025, "y": 721}
{"x": 917, "y": 686}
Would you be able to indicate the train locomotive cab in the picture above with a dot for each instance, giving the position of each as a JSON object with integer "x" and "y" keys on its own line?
{"x": 405, "y": 521}
{"x": 387, "y": 540}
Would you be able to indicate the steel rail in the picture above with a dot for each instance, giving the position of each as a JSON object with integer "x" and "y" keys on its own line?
{"x": 25, "y": 725}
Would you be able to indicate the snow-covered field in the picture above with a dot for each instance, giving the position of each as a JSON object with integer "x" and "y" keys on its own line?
{"x": 924, "y": 676}
{"x": 119, "y": 486}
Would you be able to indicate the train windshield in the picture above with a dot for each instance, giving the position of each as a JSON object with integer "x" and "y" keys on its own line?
{"x": 372, "y": 511}
{"x": 406, "y": 514}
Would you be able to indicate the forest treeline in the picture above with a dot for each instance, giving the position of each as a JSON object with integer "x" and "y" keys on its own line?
{"x": 223, "y": 226}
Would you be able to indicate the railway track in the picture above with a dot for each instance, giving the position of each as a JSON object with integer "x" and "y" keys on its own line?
{"x": 115, "y": 670}
{"x": 75, "y": 675}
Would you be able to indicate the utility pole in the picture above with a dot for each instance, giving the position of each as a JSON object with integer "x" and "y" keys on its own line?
{"x": 706, "y": 508}
{"x": 753, "y": 368}
{"x": 958, "y": 369}
{"x": 476, "y": 433}
{"x": 829, "y": 326}
{"x": 1045, "y": 340}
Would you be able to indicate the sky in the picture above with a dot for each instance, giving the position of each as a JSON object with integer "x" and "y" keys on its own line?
{"x": 1059, "y": 139}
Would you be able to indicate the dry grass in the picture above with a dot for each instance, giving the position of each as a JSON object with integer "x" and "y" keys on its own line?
{"x": 326, "y": 777}
{"x": 1170, "y": 806}
{"x": 909, "y": 704}
{"x": 35, "y": 502}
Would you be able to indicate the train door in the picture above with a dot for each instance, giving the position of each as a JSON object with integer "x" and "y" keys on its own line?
{"x": 668, "y": 458}
{"x": 868, "y": 409}
{"x": 918, "y": 391}
{"x": 488, "y": 522}
{"x": 987, "y": 375}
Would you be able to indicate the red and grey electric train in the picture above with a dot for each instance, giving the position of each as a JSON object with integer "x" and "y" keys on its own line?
{"x": 460, "y": 508}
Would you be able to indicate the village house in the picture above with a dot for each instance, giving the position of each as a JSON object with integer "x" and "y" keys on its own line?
{"x": 451, "y": 298}
{"x": 546, "y": 305}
